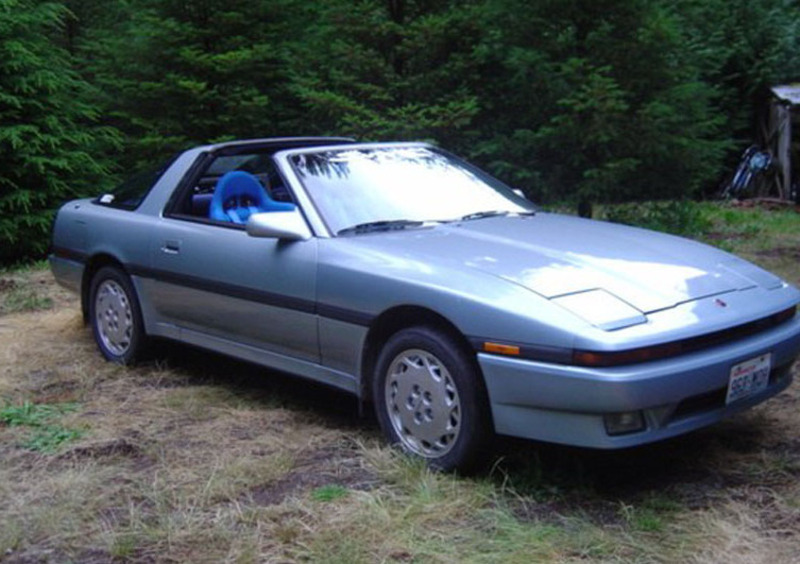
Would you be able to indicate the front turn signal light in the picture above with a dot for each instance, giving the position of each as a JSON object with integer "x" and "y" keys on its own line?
{"x": 499, "y": 348}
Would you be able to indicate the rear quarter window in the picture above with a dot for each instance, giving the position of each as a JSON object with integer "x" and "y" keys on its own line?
{"x": 131, "y": 193}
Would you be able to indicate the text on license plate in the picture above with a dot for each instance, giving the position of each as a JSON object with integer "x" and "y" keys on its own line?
{"x": 748, "y": 377}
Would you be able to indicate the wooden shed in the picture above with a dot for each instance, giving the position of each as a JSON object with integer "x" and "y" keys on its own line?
{"x": 780, "y": 134}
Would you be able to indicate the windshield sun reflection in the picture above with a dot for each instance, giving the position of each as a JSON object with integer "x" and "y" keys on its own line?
{"x": 398, "y": 183}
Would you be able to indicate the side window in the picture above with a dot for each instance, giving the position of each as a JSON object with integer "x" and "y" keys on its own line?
{"x": 243, "y": 184}
{"x": 132, "y": 191}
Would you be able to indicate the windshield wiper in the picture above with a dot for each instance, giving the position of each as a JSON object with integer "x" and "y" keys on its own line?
{"x": 385, "y": 225}
{"x": 482, "y": 214}
{"x": 493, "y": 213}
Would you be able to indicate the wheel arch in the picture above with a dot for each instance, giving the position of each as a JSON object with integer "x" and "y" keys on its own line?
{"x": 396, "y": 319}
{"x": 94, "y": 264}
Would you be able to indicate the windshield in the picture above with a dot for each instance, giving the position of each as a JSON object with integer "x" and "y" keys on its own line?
{"x": 358, "y": 186}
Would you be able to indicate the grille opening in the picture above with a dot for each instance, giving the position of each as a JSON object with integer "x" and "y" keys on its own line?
{"x": 715, "y": 399}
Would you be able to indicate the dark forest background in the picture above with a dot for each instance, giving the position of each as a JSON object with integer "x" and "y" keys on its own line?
{"x": 601, "y": 100}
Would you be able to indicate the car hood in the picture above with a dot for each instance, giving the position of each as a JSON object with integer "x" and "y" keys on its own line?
{"x": 555, "y": 255}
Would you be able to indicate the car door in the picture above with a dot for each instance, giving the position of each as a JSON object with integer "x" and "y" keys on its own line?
{"x": 224, "y": 288}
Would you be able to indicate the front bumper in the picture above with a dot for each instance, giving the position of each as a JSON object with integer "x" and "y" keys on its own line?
{"x": 566, "y": 404}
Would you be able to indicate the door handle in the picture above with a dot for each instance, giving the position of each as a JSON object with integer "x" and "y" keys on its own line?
{"x": 171, "y": 247}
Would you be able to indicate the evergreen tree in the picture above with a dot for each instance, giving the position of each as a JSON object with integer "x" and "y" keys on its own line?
{"x": 47, "y": 133}
{"x": 742, "y": 47}
{"x": 399, "y": 69}
{"x": 568, "y": 99}
{"x": 182, "y": 72}
{"x": 603, "y": 100}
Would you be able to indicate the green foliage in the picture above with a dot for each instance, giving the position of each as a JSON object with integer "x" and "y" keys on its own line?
{"x": 48, "y": 439}
{"x": 651, "y": 514}
{"x": 47, "y": 434}
{"x": 46, "y": 129}
{"x": 402, "y": 69}
{"x": 329, "y": 492}
{"x": 570, "y": 100}
{"x": 741, "y": 47}
{"x": 607, "y": 103}
{"x": 679, "y": 217}
{"x": 177, "y": 73}
{"x": 31, "y": 414}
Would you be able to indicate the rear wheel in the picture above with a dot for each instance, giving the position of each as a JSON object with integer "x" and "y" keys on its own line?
{"x": 116, "y": 317}
{"x": 430, "y": 399}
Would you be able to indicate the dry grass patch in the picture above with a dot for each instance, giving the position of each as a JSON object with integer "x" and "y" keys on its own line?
{"x": 169, "y": 461}
{"x": 736, "y": 532}
{"x": 30, "y": 289}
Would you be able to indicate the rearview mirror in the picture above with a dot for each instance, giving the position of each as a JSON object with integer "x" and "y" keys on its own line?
{"x": 288, "y": 225}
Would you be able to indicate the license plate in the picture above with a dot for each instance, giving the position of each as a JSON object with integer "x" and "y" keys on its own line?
{"x": 748, "y": 377}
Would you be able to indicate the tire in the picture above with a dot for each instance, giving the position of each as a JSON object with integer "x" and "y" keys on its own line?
{"x": 431, "y": 401}
{"x": 116, "y": 317}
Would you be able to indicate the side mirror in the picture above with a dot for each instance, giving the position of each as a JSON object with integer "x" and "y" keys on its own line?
{"x": 287, "y": 225}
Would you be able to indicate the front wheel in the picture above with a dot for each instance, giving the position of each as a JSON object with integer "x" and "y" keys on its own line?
{"x": 115, "y": 316}
{"x": 430, "y": 399}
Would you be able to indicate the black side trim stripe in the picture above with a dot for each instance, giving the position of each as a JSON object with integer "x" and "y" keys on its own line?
{"x": 346, "y": 315}
{"x": 604, "y": 359}
{"x": 257, "y": 296}
{"x": 69, "y": 254}
{"x": 685, "y": 346}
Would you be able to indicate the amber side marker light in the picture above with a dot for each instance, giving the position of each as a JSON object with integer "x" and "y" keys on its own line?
{"x": 499, "y": 348}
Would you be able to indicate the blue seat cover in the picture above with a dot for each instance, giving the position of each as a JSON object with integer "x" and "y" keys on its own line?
{"x": 238, "y": 195}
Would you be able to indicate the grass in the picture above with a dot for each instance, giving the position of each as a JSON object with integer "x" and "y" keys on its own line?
{"x": 767, "y": 237}
{"x": 33, "y": 415}
{"x": 329, "y": 492}
{"x": 27, "y": 288}
{"x": 20, "y": 297}
{"x": 196, "y": 458}
{"x": 46, "y": 435}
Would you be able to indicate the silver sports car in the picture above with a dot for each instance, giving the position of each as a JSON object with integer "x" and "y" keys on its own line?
{"x": 421, "y": 284}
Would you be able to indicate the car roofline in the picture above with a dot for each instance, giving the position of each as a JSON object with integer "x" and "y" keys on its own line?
{"x": 277, "y": 142}
{"x": 303, "y": 149}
